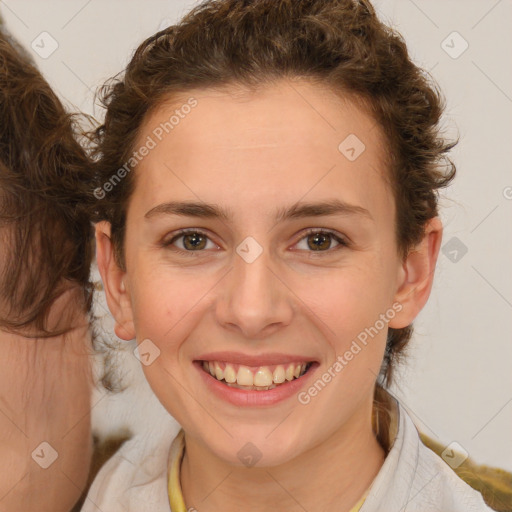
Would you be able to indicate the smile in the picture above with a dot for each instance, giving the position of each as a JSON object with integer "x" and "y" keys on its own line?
{"x": 255, "y": 378}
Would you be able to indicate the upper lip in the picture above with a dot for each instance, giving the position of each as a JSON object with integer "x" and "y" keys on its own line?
{"x": 254, "y": 360}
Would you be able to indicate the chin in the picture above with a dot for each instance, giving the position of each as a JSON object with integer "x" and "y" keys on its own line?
{"x": 255, "y": 448}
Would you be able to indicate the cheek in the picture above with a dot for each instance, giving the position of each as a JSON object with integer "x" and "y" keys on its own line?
{"x": 350, "y": 314}
{"x": 347, "y": 304}
{"x": 166, "y": 302}
{"x": 350, "y": 298}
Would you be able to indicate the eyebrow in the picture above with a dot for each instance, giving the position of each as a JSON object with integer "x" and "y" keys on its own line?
{"x": 297, "y": 211}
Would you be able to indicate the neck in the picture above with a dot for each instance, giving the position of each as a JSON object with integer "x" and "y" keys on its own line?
{"x": 333, "y": 476}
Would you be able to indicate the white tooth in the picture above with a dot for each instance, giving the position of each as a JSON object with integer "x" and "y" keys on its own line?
{"x": 296, "y": 372}
{"x": 219, "y": 374}
{"x": 263, "y": 377}
{"x": 289, "y": 372}
{"x": 211, "y": 368}
{"x": 229, "y": 374}
{"x": 205, "y": 366}
{"x": 279, "y": 375}
{"x": 244, "y": 376}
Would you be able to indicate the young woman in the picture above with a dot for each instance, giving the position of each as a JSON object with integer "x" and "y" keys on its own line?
{"x": 267, "y": 229}
{"x": 45, "y": 258}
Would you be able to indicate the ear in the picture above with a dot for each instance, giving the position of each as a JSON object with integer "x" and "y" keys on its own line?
{"x": 416, "y": 275}
{"x": 114, "y": 282}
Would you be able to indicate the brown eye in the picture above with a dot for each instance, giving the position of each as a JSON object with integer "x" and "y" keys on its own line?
{"x": 190, "y": 241}
{"x": 320, "y": 241}
{"x": 194, "y": 241}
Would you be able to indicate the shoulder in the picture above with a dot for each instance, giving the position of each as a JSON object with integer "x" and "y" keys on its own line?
{"x": 416, "y": 479}
{"x": 134, "y": 479}
{"x": 437, "y": 485}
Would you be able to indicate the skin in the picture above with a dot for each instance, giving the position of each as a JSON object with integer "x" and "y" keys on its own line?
{"x": 253, "y": 153}
{"x": 45, "y": 397}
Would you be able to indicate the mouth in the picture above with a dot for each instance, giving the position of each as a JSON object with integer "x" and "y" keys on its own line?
{"x": 255, "y": 378}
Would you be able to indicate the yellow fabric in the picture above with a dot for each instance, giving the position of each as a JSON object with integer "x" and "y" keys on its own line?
{"x": 494, "y": 484}
{"x": 359, "y": 504}
{"x": 177, "y": 451}
{"x": 175, "y": 495}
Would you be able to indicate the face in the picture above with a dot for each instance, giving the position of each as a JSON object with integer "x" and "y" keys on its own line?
{"x": 288, "y": 267}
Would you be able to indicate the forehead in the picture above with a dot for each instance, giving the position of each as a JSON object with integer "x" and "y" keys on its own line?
{"x": 278, "y": 143}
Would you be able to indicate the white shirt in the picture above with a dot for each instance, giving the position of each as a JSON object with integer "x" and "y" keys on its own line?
{"x": 412, "y": 479}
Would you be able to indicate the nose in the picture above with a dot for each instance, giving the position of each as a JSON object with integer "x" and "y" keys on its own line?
{"x": 254, "y": 299}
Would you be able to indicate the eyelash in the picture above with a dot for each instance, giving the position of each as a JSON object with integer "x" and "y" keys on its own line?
{"x": 341, "y": 241}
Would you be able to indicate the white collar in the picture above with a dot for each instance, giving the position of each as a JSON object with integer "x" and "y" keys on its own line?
{"x": 412, "y": 478}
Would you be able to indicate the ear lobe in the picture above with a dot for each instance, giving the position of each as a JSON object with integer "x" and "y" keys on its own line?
{"x": 416, "y": 275}
{"x": 114, "y": 279}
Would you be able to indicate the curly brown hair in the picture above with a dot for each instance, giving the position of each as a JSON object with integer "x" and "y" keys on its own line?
{"x": 340, "y": 44}
{"x": 46, "y": 235}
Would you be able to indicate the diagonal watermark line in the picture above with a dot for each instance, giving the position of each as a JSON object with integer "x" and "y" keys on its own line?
{"x": 185, "y": 185}
{"x": 301, "y": 300}
{"x": 303, "y": 97}
{"x": 202, "y": 297}
{"x": 407, "y": 408}
{"x": 380, "y": 174}
{"x": 492, "y": 211}
{"x": 487, "y": 281}
{"x": 197, "y": 402}
{"x": 486, "y": 14}
{"x": 492, "y": 81}
{"x": 492, "y": 418}
{"x": 81, "y": 489}
{"x": 13, "y": 13}
{"x": 433, "y": 67}
{"x": 76, "y": 14}
{"x": 308, "y": 191}
{"x": 280, "y": 423}
{"x": 12, "y": 488}
{"x": 9, "y": 419}
{"x": 419, "y": 492}
{"x": 215, "y": 488}
{"x": 424, "y": 13}
{"x": 296, "y": 405}
{"x": 85, "y": 415}
{"x": 286, "y": 491}
{"x": 124, "y": 458}
{"x": 88, "y": 88}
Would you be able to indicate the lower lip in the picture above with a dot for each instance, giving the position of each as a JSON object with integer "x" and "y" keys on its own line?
{"x": 252, "y": 398}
